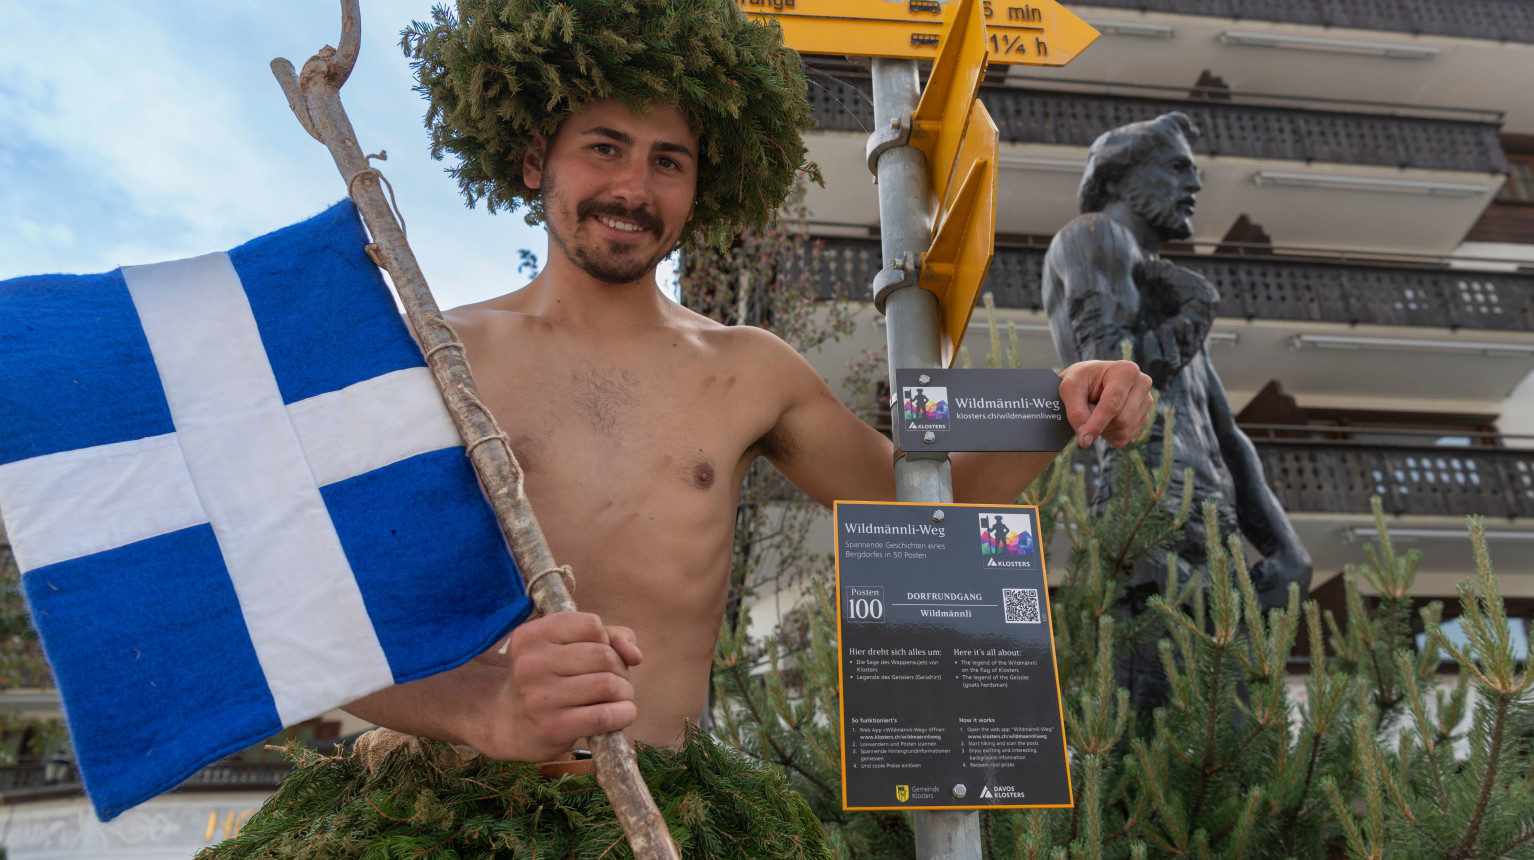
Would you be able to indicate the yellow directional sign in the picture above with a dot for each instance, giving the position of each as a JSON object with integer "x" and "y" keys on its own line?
{"x": 1031, "y": 33}
{"x": 955, "y": 266}
{"x": 942, "y": 115}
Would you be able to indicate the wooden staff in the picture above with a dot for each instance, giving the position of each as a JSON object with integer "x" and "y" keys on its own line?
{"x": 315, "y": 99}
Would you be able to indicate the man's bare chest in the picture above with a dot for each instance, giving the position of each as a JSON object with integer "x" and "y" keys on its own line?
{"x": 624, "y": 422}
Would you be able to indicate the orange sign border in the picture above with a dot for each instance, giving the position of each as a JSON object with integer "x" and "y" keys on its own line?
{"x": 841, "y": 693}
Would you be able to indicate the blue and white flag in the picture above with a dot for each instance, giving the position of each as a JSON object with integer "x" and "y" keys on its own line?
{"x": 236, "y": 499}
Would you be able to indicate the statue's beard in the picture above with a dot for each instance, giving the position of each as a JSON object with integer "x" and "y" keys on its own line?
{"x": 1161, "y": 214}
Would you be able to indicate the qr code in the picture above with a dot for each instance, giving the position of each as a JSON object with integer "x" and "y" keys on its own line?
{"x": 1021, "y": 605}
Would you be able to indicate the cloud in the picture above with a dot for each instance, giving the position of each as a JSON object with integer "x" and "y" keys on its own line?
{"x": 131, "y": 133}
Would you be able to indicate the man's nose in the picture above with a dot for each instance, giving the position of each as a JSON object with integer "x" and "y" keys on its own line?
{"x": 631, "y": 182}
{"x": 1195, "y": 181}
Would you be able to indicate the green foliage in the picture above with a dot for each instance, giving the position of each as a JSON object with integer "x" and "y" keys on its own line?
{"x": 22, "y": 665}
{"x": 21, "y": 655}
{"x": 497, "y": 72}
{"x": 1374, "y": 753}
{"x": 789, "y": 715}
{"x": 428, "y": 804}
{"x": 769, "y": 277}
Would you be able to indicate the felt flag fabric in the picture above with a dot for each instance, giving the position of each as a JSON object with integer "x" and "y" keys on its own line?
{"x": 236, "y": 499}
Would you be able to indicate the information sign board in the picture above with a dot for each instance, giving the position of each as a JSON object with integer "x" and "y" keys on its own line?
{"x": 1031, "y": 33}
{"x": 950, "y": 698}
{"x": 980, "y": 409}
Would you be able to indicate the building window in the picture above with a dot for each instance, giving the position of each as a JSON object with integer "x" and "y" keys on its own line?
{"x": 1520, "y": 180}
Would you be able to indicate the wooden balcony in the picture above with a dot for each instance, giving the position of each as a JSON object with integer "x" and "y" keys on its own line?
{"x": 1268, "y": 287}
{"x": 1232, "y": 125}
{"x": 1315, "y": 470}
{"x": 1497, "y": 20}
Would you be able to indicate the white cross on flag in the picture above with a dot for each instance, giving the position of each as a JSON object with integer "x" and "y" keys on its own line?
{"x": 236, "y": 499}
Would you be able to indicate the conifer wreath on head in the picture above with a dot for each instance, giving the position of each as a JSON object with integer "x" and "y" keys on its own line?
{"x": 497, "y": 72}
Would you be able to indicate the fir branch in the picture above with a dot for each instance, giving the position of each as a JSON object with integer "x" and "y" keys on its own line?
{"x": 1489, "y": 780}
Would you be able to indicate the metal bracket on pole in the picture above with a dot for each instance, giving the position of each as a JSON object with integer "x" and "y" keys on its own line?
{"x": 897, "y": 133}
{"x": 904, "y": 271}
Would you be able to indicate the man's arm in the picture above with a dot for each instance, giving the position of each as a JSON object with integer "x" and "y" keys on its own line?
{"x": 831, "y": 454}
{"x": 1258, "y": 511}
{"x": 565, "y": 677}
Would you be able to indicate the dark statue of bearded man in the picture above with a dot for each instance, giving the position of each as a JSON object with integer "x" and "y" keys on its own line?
{"x": 1105, "y": 282}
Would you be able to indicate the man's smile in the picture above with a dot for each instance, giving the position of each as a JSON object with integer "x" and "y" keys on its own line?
{"x": 619, "y": 225}
{"x": 620, "y": 219}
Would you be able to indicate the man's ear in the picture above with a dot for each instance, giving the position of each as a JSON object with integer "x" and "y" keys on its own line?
{"x": 532, "y": 162}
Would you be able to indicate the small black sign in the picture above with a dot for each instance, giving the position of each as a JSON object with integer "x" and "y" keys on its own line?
{"x": 950, "y": 698}
{"x": 979, "y": 410}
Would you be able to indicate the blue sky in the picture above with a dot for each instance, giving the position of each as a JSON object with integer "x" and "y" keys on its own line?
{"x": 135, "y": 132}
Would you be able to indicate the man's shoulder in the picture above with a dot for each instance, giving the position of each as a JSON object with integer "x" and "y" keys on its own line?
{"x": 746, "y": 343}
{"x": 486, "y": 314}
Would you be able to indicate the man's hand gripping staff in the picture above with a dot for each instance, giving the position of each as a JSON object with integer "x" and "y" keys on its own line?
{"x": 314, "y": 96}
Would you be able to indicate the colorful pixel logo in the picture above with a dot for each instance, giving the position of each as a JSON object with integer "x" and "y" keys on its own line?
{"x": 924, "y": 403}
{"x": 1006, "y": 534}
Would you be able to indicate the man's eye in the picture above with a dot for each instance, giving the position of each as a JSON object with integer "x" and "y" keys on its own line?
{"x": 667, "y": 163}
{"x": 604, "y": 148}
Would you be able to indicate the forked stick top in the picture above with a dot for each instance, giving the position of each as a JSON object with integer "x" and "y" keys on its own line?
{"x": 335, "y": 66}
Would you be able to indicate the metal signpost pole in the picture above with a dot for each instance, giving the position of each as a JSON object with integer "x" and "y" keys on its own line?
{"x": 905, "y": 221}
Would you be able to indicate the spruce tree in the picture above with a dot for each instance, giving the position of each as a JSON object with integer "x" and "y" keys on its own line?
{"x": 1381, "y": 756}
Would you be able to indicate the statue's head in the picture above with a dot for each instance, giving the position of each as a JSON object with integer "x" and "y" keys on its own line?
{"x": 1149, "y": 166}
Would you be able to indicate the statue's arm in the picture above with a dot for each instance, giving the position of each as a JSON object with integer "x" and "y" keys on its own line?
{"x": 1184, "y": 301}
{"x": 1261, "y": 516}
{"x": 1100, "y": 290}
{"x": 1089, "y": 292}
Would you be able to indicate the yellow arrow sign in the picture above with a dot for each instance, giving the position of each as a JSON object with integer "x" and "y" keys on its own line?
{"x": 1031, "y": 33}
{"x": 943, "y": 113}
{"x": 955, "y": 266}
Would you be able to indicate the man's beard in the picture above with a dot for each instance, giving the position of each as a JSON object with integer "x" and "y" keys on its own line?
{"x": 1161, "y": 214}
{"x": 610, "y": 262}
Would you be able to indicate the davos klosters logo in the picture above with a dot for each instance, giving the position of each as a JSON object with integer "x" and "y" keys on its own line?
{"x": 1005, "y": 535}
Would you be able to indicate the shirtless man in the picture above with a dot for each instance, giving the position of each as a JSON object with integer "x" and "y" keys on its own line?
{"x": 635, "y": 420}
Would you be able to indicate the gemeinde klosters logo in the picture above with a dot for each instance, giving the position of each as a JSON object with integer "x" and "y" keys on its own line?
{"x": 902, "y": 793}
{"x": 1004, "y": 537}
{"x": 924, "y": 407}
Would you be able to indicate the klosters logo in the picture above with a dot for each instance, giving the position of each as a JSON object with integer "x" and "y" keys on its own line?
{"x": 1006, "y": 535}
{"x": 902, "y": 793}
{"x": 924, "y": 407}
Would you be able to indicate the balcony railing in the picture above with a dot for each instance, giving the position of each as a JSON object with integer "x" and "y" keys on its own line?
{"x": 1233, "y": 128}
{"x": 1338, "y": 476}
{"x": 1267, "y": 287}
{"x": 1498, "y": 20}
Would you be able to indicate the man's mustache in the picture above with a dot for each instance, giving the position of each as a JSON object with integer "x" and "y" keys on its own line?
{"x": 644, "y": 218}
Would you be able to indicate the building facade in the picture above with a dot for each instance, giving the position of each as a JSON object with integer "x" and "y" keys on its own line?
{"x": 1367, "y": 216}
